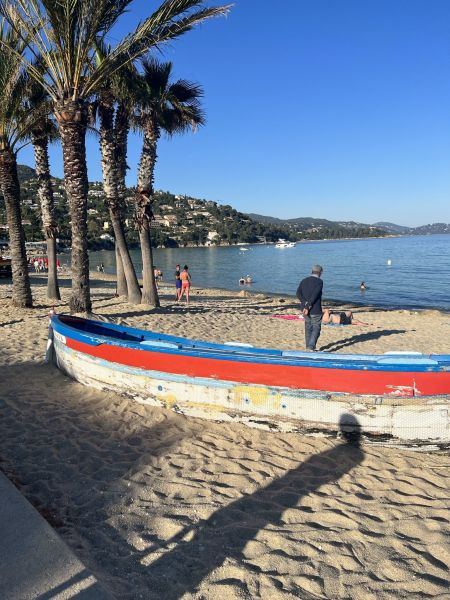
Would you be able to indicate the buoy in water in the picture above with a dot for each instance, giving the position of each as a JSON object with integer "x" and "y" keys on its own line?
{"x": 389, "y": 262}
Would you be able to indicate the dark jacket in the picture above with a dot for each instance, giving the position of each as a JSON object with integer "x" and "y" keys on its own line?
{"x": 309, "y": 292}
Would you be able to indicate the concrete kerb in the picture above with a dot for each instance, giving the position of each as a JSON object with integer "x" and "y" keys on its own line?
{"x": 35, "y": 563}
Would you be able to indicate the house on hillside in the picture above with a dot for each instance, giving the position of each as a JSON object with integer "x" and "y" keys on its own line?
{"x": 170, "y": 220}
{"x": 157, "y": 221}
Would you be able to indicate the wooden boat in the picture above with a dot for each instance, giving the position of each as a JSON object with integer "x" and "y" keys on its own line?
{"x": 395, "y": 396}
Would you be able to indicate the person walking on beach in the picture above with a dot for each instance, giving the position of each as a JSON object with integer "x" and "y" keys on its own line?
{"x": 309, "y": 292}
{"x": 185, "y": 277}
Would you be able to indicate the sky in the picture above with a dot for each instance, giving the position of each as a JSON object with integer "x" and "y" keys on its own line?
{"x": 335, "y": 109}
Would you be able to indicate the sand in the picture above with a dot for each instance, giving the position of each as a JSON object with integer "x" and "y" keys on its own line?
{"x": 162, "y": 506}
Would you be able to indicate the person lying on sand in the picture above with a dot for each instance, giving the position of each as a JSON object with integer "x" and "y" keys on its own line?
{"x": 340, "y": 318}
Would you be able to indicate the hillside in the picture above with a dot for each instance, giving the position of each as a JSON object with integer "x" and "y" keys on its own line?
{"x": 393, "y": 228}
{"x": 312, "y": 228}
{"x": 386, "y": 227}
{"x": 432, "y": 229}
{"x": 25, "y": 173}
{"x": 178, "y": 220}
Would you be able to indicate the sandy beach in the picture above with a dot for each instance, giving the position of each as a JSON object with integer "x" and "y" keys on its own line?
{"x": 159, "y": 506}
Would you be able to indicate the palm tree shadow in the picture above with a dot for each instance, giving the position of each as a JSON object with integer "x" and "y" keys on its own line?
{"x": 225, "y": 534}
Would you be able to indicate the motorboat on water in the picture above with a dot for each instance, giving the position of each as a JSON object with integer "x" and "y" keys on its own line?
{"x": 282, "y": 243}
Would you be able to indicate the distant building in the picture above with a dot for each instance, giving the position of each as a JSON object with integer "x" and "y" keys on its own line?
{"x": 170, "y": 220}
{"x": 157, "y": 221}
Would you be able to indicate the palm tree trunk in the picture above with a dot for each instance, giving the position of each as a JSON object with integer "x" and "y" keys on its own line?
{"x": 45, "y": 193}
{"x": 114, "y": 203}
{"x": 121, "y": 286}
{"x": 71, "y": 117}
{"x": 144, "y": 214}
{"x": 149, "y": 289}
{"x": 121, "y": 130}
{"x": 21, "y": 294}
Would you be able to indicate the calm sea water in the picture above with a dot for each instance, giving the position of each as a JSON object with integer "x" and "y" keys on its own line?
{"x": 411, "y": 272}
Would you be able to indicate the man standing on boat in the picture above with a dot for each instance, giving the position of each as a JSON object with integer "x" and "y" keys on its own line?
{"x": 309, "y": 292}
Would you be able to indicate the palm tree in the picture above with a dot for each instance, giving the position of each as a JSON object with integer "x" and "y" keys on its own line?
{"x": 64, "y": 35}
{"x": 43, "y": 131}
{"x": 113, "y": 147}
{"x": 15, "y": 125}
{"x": 163, "y": 106}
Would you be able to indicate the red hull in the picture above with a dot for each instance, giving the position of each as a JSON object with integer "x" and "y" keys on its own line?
{"x": 352, "y": 381}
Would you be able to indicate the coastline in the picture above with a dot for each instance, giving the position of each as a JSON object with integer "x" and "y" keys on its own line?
{"x": 394, "y": 279}
{"x": 291, "y": 300}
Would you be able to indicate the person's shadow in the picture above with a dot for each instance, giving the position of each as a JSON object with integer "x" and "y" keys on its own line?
{"x": 226, "y": 532}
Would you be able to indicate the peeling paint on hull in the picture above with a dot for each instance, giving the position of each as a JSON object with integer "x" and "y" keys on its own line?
{"x": 406, "y": 420}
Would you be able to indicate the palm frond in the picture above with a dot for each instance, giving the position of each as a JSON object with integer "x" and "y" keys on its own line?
{"x": 24, "y": 106}
{"x": 174, "y": 108}
{"x": 65, "y": 34}
{"x": 168, "y": 22}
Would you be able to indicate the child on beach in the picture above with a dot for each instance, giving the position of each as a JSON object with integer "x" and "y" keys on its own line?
{"x": 177, "y": 286}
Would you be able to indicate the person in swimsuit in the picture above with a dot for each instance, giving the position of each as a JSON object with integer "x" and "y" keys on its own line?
{"x": 185, "y": 277}
{"x": 177, "y": 287}
{"x": 177, "y": 282}
{"x": 340, "y": 318}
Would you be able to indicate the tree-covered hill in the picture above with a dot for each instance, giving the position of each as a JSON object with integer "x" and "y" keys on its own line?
{"x": 178, "y": 220}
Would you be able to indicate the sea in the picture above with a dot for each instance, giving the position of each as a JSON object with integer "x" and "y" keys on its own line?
{"x": 407, "y": 272}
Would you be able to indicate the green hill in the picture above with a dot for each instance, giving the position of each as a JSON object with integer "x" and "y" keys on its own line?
{"x": 178, "y": 220}
{"x": 25, "y": 173}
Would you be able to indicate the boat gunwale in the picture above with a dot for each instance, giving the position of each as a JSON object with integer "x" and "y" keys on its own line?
{"x": 186, "y": 347}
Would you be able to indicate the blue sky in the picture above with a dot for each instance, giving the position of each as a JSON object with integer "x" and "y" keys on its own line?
{"x": 336, "y": 109}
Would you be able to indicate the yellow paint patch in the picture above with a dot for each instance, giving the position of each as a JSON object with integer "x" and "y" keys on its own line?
{"x": 256, "y": 396}
{"x": 168, "y": 400}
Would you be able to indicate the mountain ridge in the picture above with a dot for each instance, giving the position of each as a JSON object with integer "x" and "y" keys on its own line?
{"x": 242, "y": 227}
{"x": 392, "y": 228}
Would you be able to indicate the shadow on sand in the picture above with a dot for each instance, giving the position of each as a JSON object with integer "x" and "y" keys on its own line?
{"x": 224, "y": 535}
{"x": 96, "y": 458}
{"x": 362, "y": 337}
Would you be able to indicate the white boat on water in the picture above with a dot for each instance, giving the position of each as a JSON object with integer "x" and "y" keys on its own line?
{"x": 284, "y": 244}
